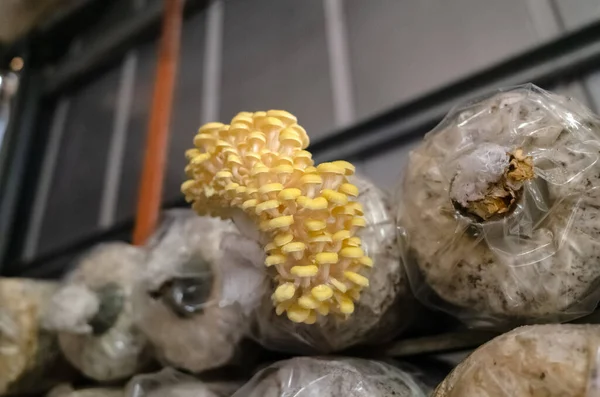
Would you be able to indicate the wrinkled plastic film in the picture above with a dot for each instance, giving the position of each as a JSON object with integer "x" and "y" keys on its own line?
{"x": 535, "y": 258}
{"x": 593, "y": 387}
{"x": 193, "y": 298}
{"x": 171, "y": 383}
{"x": 68, "y": 391}
{"x": 383, "y": 310}
{"x": 93, "y": 313}
{"x": 329, "y": 377}
{"x": 541, "y": 360}
{"x": 27, "y": 352}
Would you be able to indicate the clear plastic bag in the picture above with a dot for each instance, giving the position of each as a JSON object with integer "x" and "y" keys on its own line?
{"x": 498, "y": 210}
{"x": 93, "y": 313}
{"x": 68, "y": 391}
{"x": 171, "y": 383}
{"x": 30, "y": 359}
{"x": 193, "y": 299}
{"x": 553, "y": 360}
{"x": 331, "y": 377}
{"x": 385, "y": 308}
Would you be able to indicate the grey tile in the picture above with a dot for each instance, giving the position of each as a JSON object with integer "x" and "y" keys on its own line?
{"x": 403, "y": 49}
{"x": 545, "y": 19}
{"x": 359, "y": 166}
{"x": 386, "y": 169}
{"x": 576, "y": 14}
{"x": 136, "y": 131}
{"x": 186, "y": 114}
{"x": 275, "y": 57}
{"x": 74, "y": 200}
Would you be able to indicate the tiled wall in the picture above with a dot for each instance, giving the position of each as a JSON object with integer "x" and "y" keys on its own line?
{"x": 277, "y": 54}
{"x": 575, "y": 14}
{"x": 71, "y": 201}
{"x": 403, "y": 49}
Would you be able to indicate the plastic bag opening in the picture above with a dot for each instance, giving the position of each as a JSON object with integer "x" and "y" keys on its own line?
{"x": 193, "y": 298}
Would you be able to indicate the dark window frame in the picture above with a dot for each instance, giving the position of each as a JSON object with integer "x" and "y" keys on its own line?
{"x": 50, "y": 72}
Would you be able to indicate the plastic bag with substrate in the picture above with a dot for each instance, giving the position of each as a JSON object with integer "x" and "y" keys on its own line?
{"x": 171, "y": 383}
{"x": 192, "y": 300}
{"x": 331, "y": 377}
{"x": 30, "y": 359}
{"x": 68, "y": 391}
{"x": 498, "y": 210}
{"x": 385, "y": 308}
{"x": 94, "y": 315}
{"x": 541, "y": 360}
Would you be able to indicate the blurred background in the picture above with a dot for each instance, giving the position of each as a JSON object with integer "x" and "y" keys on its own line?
{"x": 367, "y": 79}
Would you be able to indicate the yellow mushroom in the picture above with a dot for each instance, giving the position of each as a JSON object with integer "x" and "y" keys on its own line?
{"x": 315, "y": 225}
{"x": 349, "y": 189}
{"x": 333, "y": 175}
{"x": 319, "y": 242}
{"x": 283, "y": 239}
{"x": 285, "y": 292}
{"x": 307, "y": 214}
{"x": 295, "y": 249}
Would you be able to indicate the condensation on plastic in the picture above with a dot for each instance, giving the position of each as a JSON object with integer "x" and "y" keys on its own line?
{"x": 68, "y": 391}
{"x": 94, "y": 314}
{"x": 593, "y": 386}
{"x": 171, "y": 383}
{"x": 27, "y": 353}
{"x": 331, "y": 377}
{"x": 553, "y": 360}
{"x": 539, "y": 263}
{"x": 385, "y": 308}
{"x": 193, "y": 299}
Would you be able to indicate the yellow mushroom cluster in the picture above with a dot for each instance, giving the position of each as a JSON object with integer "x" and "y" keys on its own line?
{"x": 308, "y": 214}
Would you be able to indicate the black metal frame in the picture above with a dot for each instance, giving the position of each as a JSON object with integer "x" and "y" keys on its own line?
{"x": 565, "y": 58}
{"x": 48, "y": 73}
{"x": 13, "y": 166}
{"x": 111, "y": 48}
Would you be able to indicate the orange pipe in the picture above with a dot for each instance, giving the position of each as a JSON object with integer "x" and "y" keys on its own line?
{"x": 150, "y": 191}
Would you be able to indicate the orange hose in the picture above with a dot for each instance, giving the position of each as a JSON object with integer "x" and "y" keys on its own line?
{"x": 150, "y": 191}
